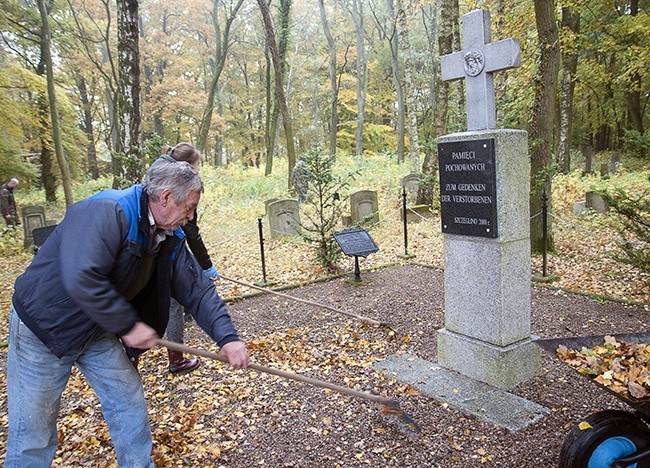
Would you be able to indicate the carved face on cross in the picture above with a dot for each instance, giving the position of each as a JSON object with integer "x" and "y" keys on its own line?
{"x": 476, "y": 64}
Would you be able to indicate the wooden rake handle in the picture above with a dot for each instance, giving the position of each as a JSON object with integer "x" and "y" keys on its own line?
{"x": 280, "y": 373}
{"x": 306, "y": 301}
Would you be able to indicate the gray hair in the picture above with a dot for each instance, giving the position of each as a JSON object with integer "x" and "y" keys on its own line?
{"x": 181, "y": 178}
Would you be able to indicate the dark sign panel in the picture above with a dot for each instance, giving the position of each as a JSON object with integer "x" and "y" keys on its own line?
{"x": 355, "y": 242}
{"x": 468, "y": 202}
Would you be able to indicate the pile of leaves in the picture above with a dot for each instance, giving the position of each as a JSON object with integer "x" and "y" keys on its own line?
{"x": 618, "y": 365}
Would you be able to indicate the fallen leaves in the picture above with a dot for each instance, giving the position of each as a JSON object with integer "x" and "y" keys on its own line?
{"x": 620, "y": 366}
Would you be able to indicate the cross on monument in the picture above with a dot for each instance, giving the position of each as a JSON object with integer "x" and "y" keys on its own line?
{"x": 476, "y": 63}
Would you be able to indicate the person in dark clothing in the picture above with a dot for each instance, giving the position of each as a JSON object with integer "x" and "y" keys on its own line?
{"x": 8, "y": 203}
{"x": 98, "y": 293}
{"x": 178, "y": 364}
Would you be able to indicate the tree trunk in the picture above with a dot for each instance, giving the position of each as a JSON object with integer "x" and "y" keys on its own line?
{"x": 633, "y": 93}
{"x": 48, "y": 178}
{"x": 362, "y": 72}
{"x": 571, "y": 27}
{"x": 541, "y": 125}
{"x": 130, "y": 171}
{"x": 279, "y": 88}
{"x": 222, "y": 44}
{"x": 393, "y": 38}
{"x": 87, "y": 127}
{"x": 334, "y": 89}
{"x": 274, "y": 105}
{"x": 440, "y": 92}
{"x": 408, "y": 86}
{"x": 56, "y": 131}
{"x": 269, "y": 127}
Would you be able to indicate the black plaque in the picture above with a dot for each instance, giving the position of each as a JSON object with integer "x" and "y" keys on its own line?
{"x": 468, "y": 202}
{"x": 355, "y": 242}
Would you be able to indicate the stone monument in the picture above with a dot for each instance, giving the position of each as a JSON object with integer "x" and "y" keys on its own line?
{"x": 484, "y": 195}
{"x": 284, "y": 218}
{"x": 364, "y": 207}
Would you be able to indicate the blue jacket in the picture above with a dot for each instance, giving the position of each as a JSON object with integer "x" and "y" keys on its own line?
{"x": 79, "y": 277}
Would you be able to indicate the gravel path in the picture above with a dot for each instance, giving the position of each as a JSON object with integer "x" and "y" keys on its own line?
{"x": 328, "y": 430}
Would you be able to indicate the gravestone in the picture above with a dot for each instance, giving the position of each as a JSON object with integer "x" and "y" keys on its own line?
{"x": 411, "y": 183}
{"x": 33, "y": 218}
{"x": 615, "y": 162}
{"x": 267, "y": 203}
{"x": 484, "y": 193}
{"x": 579, "y": 207}
{"x": 284, "y": 218}
{"x": 596, "y": 202}
{"x": 364, "y": 207}
{"x": 604, "y": 170}
{"x": 588, "y": 153}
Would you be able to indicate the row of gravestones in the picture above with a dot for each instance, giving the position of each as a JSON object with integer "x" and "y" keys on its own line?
{"x": 284, "y": 215}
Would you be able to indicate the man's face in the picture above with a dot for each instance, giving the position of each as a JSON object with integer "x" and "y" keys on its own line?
{"x": 172, "y": 215}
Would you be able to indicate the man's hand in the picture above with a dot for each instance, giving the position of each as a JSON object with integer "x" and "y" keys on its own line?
{"x": 211, "y": 273}
{"x": 141, "y": 336}
{"x": 236, "y": 353}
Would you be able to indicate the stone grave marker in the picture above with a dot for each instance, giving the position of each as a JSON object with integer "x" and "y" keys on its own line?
{"x": 411, "y": 182}
{"x": 604, "y": 170}
{"x": 588, "y": 153}
{"x": 364, "y": 207}
{"x": 596, "y": 202}
{"x": 284, "y": 218}
{"x": 615, "y": 162}
{"x": 484, "y": 192}
{"x": 33, "y": 218}
{"x": 267, "y": 203}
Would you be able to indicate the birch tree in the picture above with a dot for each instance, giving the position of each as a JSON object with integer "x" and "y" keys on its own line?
{"x": 332, "y": 71}
{"x": 128, "y": 166}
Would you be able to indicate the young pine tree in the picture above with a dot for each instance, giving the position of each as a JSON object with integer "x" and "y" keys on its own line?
{"x": 322, "y": 195}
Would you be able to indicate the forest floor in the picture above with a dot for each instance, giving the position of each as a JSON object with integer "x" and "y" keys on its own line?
{"x": 216, "y": 417}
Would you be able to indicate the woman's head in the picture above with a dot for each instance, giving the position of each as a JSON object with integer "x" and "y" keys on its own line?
{"x": 185, "y": 152}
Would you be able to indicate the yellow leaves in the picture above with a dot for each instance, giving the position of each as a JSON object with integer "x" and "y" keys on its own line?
{"x": 622, "y": 367}
{"x": 584, "y": 425}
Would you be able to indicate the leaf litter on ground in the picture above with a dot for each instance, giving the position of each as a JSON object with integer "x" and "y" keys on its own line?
{"x": 618, "y": 365}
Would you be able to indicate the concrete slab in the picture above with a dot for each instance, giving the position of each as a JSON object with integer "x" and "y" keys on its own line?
{"x": 487, "y": 403}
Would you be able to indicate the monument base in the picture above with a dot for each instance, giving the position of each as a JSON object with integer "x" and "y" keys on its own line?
{"x": 500, "y": 366}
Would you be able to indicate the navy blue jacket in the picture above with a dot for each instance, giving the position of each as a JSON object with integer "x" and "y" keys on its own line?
{"x": 78, "y": 278}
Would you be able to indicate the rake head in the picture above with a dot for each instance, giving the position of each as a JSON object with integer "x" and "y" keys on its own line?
{"x": 406, "y": 422}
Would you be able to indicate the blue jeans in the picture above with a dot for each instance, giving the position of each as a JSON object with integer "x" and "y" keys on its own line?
{"x": 36, "y": 378}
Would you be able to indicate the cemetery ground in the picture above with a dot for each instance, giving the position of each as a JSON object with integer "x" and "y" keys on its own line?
{"x": 218, "y": 417}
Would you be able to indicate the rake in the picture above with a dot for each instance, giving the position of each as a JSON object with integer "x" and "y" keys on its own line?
{"x": 317, "y": 304}
{"x": 387, "y": 406}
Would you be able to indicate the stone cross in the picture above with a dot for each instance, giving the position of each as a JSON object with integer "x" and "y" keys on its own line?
{"x": 476, "y": 63}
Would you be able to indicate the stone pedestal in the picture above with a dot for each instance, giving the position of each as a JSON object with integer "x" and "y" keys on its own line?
{"x": 487, "y": 333}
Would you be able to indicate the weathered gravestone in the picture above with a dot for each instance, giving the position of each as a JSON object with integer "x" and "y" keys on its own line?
{"x": 588, "y": 153}
{"x": 364, "y": 207}
{"x": 33, "y": 218}
{"x": 284, "y": 218}
{"x": 596, "y": 202}
{"x": 411, "y": 183}
{"x": 484, "y": 195}
{"x": 615, "y": 162}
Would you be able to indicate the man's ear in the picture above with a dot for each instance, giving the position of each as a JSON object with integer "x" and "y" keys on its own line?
{"x": 165, "y": 197}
